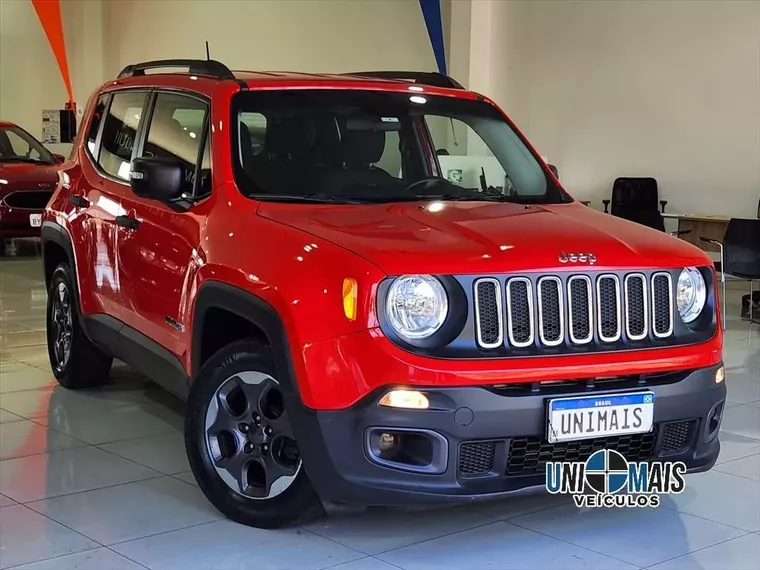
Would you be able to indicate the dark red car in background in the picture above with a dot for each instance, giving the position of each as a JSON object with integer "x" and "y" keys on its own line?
{"x": 28, "y": 176}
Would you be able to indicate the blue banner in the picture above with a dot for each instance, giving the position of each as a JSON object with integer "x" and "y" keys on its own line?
{"x": 431, "y": 11}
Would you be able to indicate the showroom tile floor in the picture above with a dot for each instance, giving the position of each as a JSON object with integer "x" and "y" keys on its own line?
{"x": 98, "y": 480}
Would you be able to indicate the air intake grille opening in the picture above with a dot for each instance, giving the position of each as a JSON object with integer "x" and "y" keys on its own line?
{"x": 550, "y": 311}
{"x": 520, "y": 312}
{"x": 580, "y": 309}
{"x": 489, "y": 313}
{"x": 661, "y": 305}
{"x": 609, "y": 308}
{"x": 32, "y": 200}
{"x": 635, "y": 307}
{"x": 529, "y": 455}
{"x": 476, "y": 458}
{"x": 677, "y": 436}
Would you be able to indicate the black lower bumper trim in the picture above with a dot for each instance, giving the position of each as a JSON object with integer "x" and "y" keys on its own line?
{"x": 502, "y": 450}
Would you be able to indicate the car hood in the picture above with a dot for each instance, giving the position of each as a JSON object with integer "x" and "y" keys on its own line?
{"x": 484, "y": 237}
{"x": 27, "y": 176}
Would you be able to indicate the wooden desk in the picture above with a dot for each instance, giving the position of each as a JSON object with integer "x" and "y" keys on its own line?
{"x": 701, "y": 225}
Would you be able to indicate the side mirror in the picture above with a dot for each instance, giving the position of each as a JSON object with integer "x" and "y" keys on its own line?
{"x": 156, "y": 177}
{"x": 59, "y": 157}
{"x": 554, "y": 170}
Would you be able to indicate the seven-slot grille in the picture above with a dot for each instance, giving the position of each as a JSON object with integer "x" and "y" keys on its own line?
{"x": 550, "y": 311}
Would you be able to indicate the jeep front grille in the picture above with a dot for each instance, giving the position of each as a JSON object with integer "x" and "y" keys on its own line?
{"x": 550, "y": 311}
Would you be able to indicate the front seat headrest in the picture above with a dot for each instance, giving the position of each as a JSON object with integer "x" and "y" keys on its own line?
{"x": 363, "y": 147}
{"x": 291, "y": 138}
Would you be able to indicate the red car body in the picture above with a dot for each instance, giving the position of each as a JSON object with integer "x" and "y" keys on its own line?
{"x": 25, "y": 189}
{"x": 293, "y": 260}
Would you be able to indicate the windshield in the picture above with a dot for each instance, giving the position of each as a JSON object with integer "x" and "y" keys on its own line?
{"x": 16, "y": 145}
{"x": 364, "y": 146}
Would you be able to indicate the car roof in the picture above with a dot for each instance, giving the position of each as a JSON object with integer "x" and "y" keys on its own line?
{"x": 268, "y": 79}
{"x": 253, "y": 80}
{"x": 7, "y": 124}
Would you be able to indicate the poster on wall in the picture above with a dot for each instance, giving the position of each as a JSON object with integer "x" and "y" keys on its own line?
{"x": 58, "y": 126}
{"x": 51, "y": 126}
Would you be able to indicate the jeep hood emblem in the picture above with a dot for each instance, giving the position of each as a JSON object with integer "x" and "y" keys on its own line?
{"x": 589, "y": 258}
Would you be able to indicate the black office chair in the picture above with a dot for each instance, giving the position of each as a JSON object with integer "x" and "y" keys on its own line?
{"x": 630, "y": 195}
{"x": 636, "y": 199}
{"x": 652, "y": 219}
{"x": 739, "y": 256}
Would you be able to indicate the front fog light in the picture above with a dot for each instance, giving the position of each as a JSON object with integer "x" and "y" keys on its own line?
{"x": 408, "y": 399}
{"x": 691, "y": 294}
{"x": 720, "y": 375}
{"x": 387, "y": 442}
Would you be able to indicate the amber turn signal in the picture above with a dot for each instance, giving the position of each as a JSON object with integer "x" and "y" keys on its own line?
{"x": 350, "y": 296}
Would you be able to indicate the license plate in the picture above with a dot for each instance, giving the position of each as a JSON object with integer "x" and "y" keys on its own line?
{"x": 601, "y": 416}
{"x": 35, "y": 220}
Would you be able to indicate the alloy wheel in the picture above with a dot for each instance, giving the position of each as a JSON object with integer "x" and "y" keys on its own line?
{"x": 63, "y": 330}
{"x": 249, "y": 437}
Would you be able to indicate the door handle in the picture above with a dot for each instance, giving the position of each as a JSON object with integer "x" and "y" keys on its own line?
{"x": 127, "y": 222}
{"x": 78, "y": 201}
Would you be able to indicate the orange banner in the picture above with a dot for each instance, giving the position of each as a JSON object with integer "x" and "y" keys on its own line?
{"x": 49, "y": 13}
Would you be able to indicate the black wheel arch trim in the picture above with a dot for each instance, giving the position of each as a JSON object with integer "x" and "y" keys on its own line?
{"x": 218, "y": 295}
{"x": 56, "y": 233}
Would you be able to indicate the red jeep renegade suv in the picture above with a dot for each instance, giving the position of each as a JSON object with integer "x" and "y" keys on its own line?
{"x": 370, "y": 289}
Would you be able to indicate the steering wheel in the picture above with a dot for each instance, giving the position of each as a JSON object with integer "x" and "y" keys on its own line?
{"x": 425, "y": 183}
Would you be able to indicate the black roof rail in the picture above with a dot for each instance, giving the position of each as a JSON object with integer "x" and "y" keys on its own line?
{"x": 433, "y": 79}
{"x": 207, "y": 67}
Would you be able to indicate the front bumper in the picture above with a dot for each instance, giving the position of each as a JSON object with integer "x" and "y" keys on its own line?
{"x": 15, "y": 223}
{"x": 494, "y": 443}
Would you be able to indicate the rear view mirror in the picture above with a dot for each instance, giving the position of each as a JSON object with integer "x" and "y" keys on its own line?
{"x": 386, "y": 124}
{"x": 554, "y": 170}
{"x": 159, "y": 178}
{"x": 59, "y": 157}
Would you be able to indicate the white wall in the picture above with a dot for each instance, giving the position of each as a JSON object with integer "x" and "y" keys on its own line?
{"x": 300, "y": 35}
{"x": 29, "y": 76}
{"x": 669, "y": 89}
{"x": 102, "y": 36}
{"x": 604, "y": 89}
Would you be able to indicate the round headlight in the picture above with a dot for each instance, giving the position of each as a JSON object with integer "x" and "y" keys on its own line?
{"x": 691, "y": 294}
{"x": 416, "y": 306}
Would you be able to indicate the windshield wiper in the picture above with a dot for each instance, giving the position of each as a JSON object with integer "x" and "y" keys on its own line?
{"x": 478, "y": 197}
{"x": 314, "y": 198}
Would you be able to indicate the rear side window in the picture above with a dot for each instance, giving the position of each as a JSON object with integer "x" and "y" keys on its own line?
{"x": 120, "y": 131}
{"x": 97, "y": 117}
{"x": 176, "y": 130}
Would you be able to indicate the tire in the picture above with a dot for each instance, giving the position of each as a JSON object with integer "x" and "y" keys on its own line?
{"x": 236, "y": 386}
{"x": 84, "y": 365}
